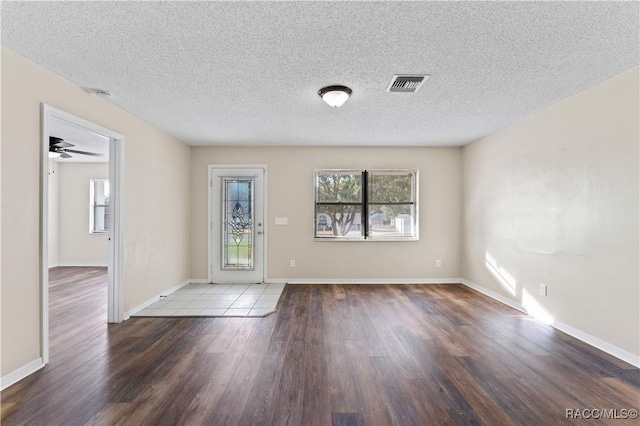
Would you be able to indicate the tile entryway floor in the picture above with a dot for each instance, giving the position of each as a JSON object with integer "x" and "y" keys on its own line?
{"x": 217, "y": 300}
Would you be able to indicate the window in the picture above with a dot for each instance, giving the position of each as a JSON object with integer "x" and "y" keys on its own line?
{"x": 366, "y": 205}
{"x": 99, "y": 206}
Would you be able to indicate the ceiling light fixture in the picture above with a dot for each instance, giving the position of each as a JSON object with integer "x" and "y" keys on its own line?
{"x": 335, "y": 96}
{"x": 54, "y": 154}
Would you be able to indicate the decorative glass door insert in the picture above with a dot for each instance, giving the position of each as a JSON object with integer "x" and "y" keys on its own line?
{"x": 237, "y": 225}
{"x": 237, "y": 230}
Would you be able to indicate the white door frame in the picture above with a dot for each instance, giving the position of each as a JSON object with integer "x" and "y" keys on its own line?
{"x": 115, "y": 303}
{"x": 210, "y": 183}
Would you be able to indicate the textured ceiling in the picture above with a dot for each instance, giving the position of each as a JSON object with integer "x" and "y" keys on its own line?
{"x": 248, "y": 73}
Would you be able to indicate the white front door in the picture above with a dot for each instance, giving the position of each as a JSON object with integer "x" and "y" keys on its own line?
{"x": 236, "y": 224}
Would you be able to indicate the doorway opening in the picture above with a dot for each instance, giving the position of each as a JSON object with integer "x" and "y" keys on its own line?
{"x": 104, "y": 214}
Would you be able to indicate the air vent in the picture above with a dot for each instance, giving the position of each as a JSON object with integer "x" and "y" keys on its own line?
{"x": 406, "y": 83}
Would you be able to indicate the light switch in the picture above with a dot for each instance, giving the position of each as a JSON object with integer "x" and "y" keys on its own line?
{"x": 282, "y": 220}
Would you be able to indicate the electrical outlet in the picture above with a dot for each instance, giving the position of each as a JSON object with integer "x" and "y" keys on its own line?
{"x": 543, "y": 289}
{"x": 292, "y": 263}
{"x": 438, "y": 263}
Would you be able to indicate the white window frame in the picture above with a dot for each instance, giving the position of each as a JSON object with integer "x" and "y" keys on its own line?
{"x": 365, "y": 206}
{"x": 92, "y": 206}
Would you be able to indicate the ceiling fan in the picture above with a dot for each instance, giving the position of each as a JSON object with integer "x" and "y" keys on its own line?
{"x": 59, "y": 148}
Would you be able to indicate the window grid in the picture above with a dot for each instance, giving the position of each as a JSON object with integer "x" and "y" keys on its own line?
{"x": 380, "y": 217}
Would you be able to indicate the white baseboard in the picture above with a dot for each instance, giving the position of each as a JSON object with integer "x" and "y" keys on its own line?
{"x": 574, "y": 332}
{"x": 598, "y": 343}
{"x": 363, "y": 281}
{"x": 22, "y": 372}
{"x": 199, "y": 280}
{"x": 496, "y": 296}
{"x": 95, "y": 264}
{"x": 154, "y": 299}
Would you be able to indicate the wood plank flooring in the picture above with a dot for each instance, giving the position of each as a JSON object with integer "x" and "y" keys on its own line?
{"x": 332, "y": 354}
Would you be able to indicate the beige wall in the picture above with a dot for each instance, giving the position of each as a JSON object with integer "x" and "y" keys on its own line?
{"x": 156, "y": 201}
{"x": 290, "y": 194}
{"x": 54, "y": 174}
{"x": 554, "y": 199}
{"x": 77, "y": 246}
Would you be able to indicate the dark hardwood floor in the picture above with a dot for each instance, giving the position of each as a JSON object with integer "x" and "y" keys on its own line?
{"x": 332, "y": 354}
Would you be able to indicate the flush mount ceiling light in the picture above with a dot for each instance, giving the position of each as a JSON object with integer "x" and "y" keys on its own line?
{"x": 335, "y": 96}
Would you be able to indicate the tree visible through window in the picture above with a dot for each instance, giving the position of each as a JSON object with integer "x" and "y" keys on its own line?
{"x": 339, "y": 203}
{"x": 374, "y": 205}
